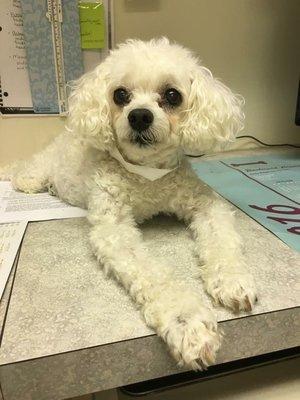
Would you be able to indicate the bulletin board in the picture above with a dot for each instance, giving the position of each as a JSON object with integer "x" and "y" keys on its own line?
{"x": 46, "y": 45}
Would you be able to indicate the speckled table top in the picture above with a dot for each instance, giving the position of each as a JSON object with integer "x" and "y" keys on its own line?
{"x": 68, "y": 330}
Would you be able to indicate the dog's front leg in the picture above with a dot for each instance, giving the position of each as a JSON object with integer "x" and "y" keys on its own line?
{"x": 218, "y": 244}
{"x": 175, "y": 313}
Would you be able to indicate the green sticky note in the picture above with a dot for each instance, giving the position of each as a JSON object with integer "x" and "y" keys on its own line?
{"x": 92, "y": 25}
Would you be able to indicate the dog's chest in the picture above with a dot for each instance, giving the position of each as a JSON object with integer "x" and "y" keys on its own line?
{"x": 147, "y": 198}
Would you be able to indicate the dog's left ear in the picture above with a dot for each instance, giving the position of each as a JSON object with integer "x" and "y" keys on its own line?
{"x": 213, "y": 116}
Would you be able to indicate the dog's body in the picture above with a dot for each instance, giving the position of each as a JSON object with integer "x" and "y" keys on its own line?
{"x": 130, "y": 103}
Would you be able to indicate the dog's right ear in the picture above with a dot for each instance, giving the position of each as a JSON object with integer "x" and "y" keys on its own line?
{"x": 89, "y": 113}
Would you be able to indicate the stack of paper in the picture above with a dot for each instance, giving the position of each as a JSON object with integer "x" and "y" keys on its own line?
{"x": 16, "y": 210}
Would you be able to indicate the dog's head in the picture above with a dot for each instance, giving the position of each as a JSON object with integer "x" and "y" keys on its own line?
{"x": 147, "y": 97}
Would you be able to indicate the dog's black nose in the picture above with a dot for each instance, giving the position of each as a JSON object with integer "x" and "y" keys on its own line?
{"x": 140, "y": 119}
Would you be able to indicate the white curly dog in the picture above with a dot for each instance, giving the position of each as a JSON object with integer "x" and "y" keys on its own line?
{"x": 122, "y": 157}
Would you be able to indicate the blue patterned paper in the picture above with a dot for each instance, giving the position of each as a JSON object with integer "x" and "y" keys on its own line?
{"x": 73, "y": 59}
{"x": 40, "y": 54}
{"x": 266, "y": 187}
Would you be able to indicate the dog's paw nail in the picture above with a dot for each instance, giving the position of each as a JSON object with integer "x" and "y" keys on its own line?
{"x": 248, "y": 305}
{"x": 209, "y": 354}
{"x": 235, "y": 305}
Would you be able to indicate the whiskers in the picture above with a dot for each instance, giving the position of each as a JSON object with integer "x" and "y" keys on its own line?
{"x": 144, "y": 138}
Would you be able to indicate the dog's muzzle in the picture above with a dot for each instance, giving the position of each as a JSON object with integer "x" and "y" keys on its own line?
{"x": 140, "y": 120}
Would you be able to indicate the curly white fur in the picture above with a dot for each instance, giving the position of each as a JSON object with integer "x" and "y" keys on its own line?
{"x": 78, "y": 167}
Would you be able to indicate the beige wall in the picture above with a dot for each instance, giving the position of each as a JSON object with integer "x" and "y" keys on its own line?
{"x": 22, "y": 136}
{"x": 252, "y": 45}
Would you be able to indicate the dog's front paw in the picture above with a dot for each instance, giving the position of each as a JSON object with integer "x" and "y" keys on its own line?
{"x": 235, "y": 290}
{"x": 27, "y": 184}
{"x": 193, "y": 340}
{"x": 188, "y": 328}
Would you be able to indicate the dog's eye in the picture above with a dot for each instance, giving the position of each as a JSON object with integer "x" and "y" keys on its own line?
{"x": 173, "y": 97}
{"x": 121, "y": 96}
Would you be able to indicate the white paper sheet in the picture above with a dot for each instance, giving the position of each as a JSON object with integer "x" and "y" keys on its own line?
{"x": 17, "y": 206}
{"x": 11, "y": 235}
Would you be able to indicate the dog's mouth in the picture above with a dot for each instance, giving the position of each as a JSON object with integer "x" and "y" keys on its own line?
{"x": 143, "y": 139}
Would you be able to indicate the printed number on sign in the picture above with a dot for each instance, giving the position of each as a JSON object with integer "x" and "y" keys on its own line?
{"x": 291, "y": 214}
